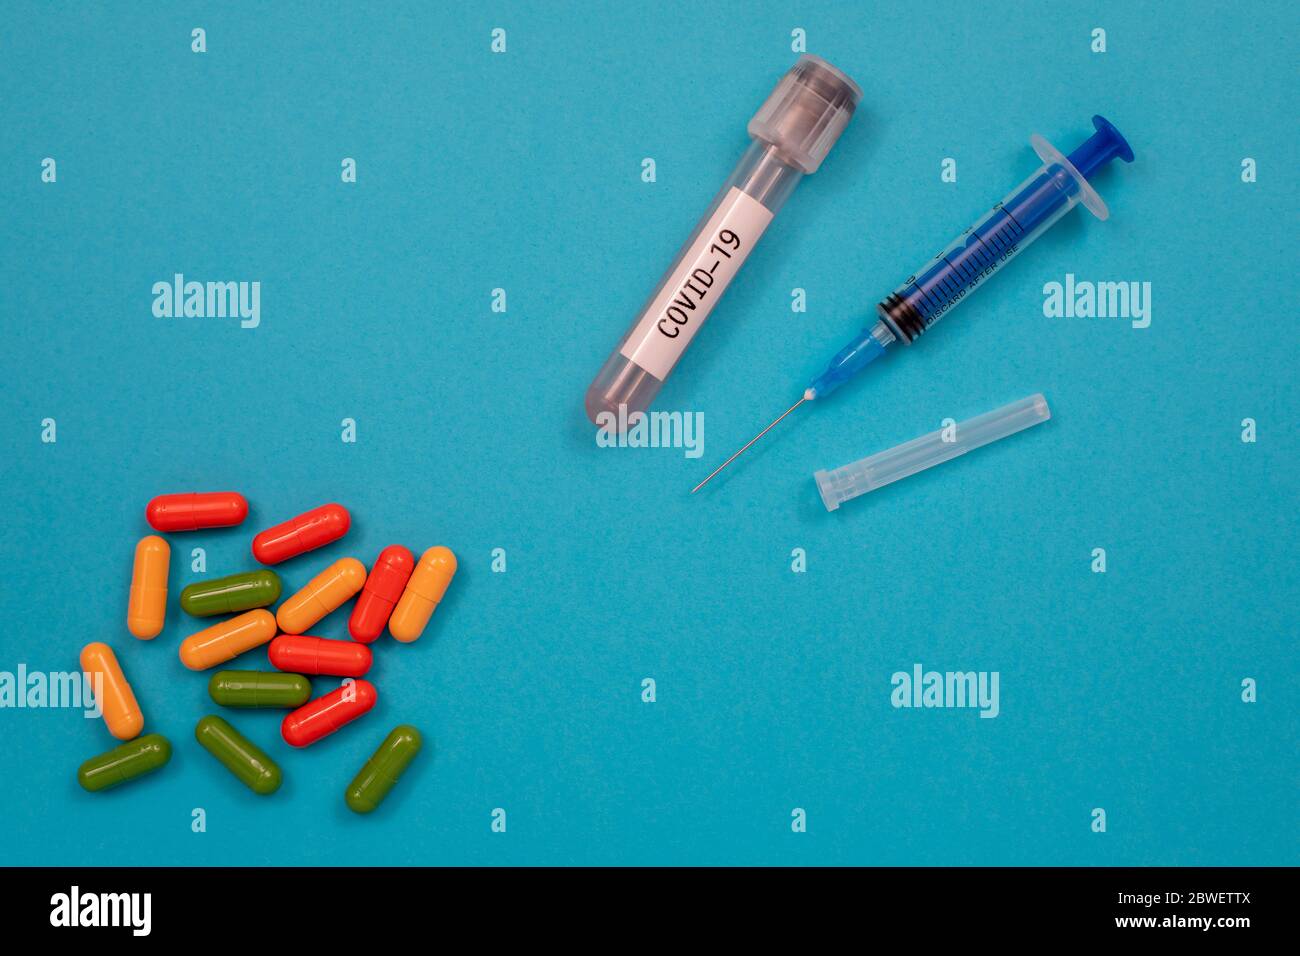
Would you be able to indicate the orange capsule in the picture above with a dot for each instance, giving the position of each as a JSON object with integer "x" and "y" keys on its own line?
{"x": 114, "y": 695}
{"x": 147, "y": 609}
{"x": 220, "y": 642}
{"x": 323, "y": 593}
{"x": 428, "y": 584}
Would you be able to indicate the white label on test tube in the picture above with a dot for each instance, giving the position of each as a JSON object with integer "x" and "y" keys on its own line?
{"x": 691, "y": 291}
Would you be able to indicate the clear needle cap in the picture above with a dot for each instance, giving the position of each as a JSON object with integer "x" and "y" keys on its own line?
{"x": 876, "y": 471}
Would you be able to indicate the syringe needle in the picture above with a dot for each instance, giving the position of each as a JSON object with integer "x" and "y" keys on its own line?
{"x": 805, "y": 398}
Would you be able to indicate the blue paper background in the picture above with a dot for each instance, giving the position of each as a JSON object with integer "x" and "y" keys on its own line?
{"x": 522, "y": 171}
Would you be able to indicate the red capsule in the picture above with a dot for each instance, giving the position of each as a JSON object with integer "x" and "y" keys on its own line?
{"x": 190, "y": 512}
{"x": 310, "y": 530}
{"x": 384, "y": 586}
{"x": 304, "y": 654}
{"x": 321, "y": 717}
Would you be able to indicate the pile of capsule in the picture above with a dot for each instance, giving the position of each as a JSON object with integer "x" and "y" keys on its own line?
{"x": 398, "y": 593}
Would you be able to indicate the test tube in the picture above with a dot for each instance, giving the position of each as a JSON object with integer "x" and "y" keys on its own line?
{"x": 792, "y": 133}
{"x": 876, "y": 471}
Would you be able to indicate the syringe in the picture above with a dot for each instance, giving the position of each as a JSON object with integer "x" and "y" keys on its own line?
{"x": 927, "y": 295}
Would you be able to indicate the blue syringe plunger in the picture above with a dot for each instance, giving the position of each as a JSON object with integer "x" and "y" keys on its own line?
{"x": 1100, "y": 148}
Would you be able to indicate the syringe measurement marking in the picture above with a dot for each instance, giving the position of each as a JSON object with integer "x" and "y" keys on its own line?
{"x": 1019, "y": 228}
{"x": 945, "y": 283}
{"x": 977, "y": 263}
{"x": 995, "y": 252}
{"x": 925, "y": 296}
{"x": 957, "y": 270}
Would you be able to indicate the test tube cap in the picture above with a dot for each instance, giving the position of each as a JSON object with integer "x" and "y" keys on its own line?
{"x": 807, "y": 112}
{"x": 876, "y": 471}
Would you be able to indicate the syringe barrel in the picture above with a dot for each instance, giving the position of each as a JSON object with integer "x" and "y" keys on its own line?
{"x": 792, "y": 133}
{"x": 961, "y": 268}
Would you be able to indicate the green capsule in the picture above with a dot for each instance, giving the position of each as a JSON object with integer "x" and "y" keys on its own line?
{"x": 259, "y": 689}
{"x": 135, "y": 758}
{"x": 240, "y": 755}
{"x": 382, "y": 770}
{"x": 232, "y": 594}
